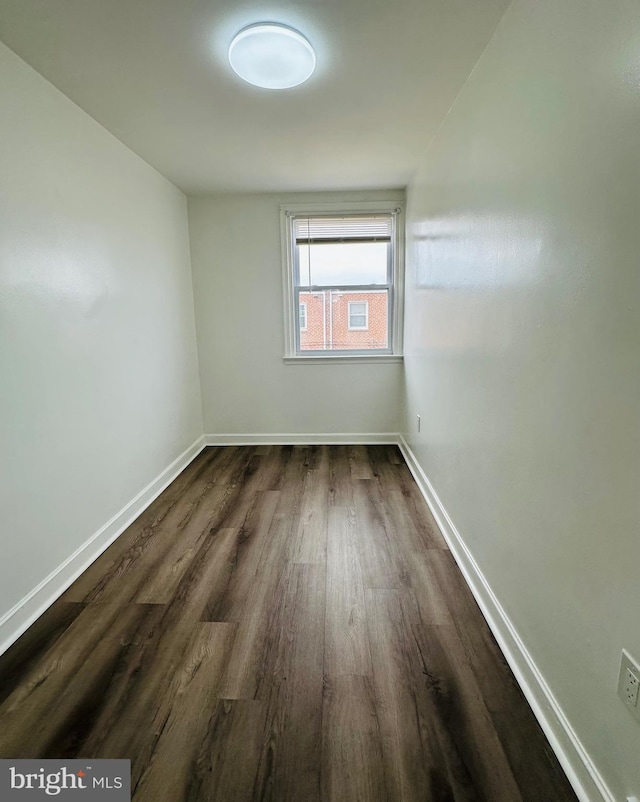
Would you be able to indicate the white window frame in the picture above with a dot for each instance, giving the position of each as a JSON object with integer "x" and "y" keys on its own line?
{"x": 306, "y": 312}
{"x": 288, "y": 213}
{"x": 366, "y": 315}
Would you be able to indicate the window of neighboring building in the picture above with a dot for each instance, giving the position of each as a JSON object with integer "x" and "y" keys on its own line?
{"x": 344, "y": 267}
{"x": 358, "y": 315}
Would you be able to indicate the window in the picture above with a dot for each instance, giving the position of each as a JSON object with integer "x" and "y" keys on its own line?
{"x": 358, "y": 315}
{"x": 342, "y": 273}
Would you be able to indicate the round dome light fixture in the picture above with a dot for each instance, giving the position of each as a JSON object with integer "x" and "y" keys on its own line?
{"x": 272, "y": 56}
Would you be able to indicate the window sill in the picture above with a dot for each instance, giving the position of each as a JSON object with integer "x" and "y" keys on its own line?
{"x": 344, "y": 359}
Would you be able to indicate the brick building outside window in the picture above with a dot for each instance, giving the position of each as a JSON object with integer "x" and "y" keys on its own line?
{"x": 328, "y": 317}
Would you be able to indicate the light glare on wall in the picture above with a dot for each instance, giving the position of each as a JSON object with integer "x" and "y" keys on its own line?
{"x": 272, "y": 56}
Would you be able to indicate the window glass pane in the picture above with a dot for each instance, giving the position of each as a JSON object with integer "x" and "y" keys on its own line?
{"x": 342, "y": 263}
{"x": 328, "y": 320}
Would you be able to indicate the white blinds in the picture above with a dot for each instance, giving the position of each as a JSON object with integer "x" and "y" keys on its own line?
{"x": 369, "y": 228}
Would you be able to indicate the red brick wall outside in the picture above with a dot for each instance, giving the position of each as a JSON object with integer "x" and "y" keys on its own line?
{"x": 328, "y": 321}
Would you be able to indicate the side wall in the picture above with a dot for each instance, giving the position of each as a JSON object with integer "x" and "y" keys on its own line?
{"x": 522, "y": 343}
{"x": 246, "y": 388}
{"x": 100, "y": 387}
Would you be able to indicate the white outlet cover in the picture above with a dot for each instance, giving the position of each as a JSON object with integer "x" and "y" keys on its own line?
{"x": 628, "y": 665}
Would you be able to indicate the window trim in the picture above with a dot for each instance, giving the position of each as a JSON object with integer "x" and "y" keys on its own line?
{"x": 366, "y": 316}
{"x": 396, "y": 292}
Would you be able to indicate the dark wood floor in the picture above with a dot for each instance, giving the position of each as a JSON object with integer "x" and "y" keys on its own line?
{"x": 283, "y": 623}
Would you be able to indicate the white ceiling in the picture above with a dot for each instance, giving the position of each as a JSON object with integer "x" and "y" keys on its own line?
{"x": 155, "y": 74}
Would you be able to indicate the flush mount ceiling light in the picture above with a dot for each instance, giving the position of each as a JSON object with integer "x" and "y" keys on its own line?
{"x": 272, "y": 56}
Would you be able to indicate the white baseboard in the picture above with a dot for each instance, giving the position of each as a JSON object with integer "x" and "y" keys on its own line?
{"x": 584, "y": 777}
{"x": 28, "y": 609}
{"x": 340, "y": 438}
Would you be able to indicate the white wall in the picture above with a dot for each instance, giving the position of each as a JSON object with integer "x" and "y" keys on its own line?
{"x": 99, "y": 389}
{"x": 523, "y": 343}
{"x": 246, "y": 388}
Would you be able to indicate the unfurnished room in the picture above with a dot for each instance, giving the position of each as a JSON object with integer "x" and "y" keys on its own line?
{"x": 320, "y": 424}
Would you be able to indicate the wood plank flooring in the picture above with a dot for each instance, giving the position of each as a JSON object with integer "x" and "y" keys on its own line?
{"x": 282, "y": 623}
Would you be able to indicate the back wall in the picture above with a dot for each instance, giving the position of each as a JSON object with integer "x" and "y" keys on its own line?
{"x": 246, "y": 387}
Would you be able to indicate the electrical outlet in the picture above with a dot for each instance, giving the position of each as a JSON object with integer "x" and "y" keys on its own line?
{"x": 629, "y": 683}
{"x": 630, "y": 690}
{"x": 418, "y": 417}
